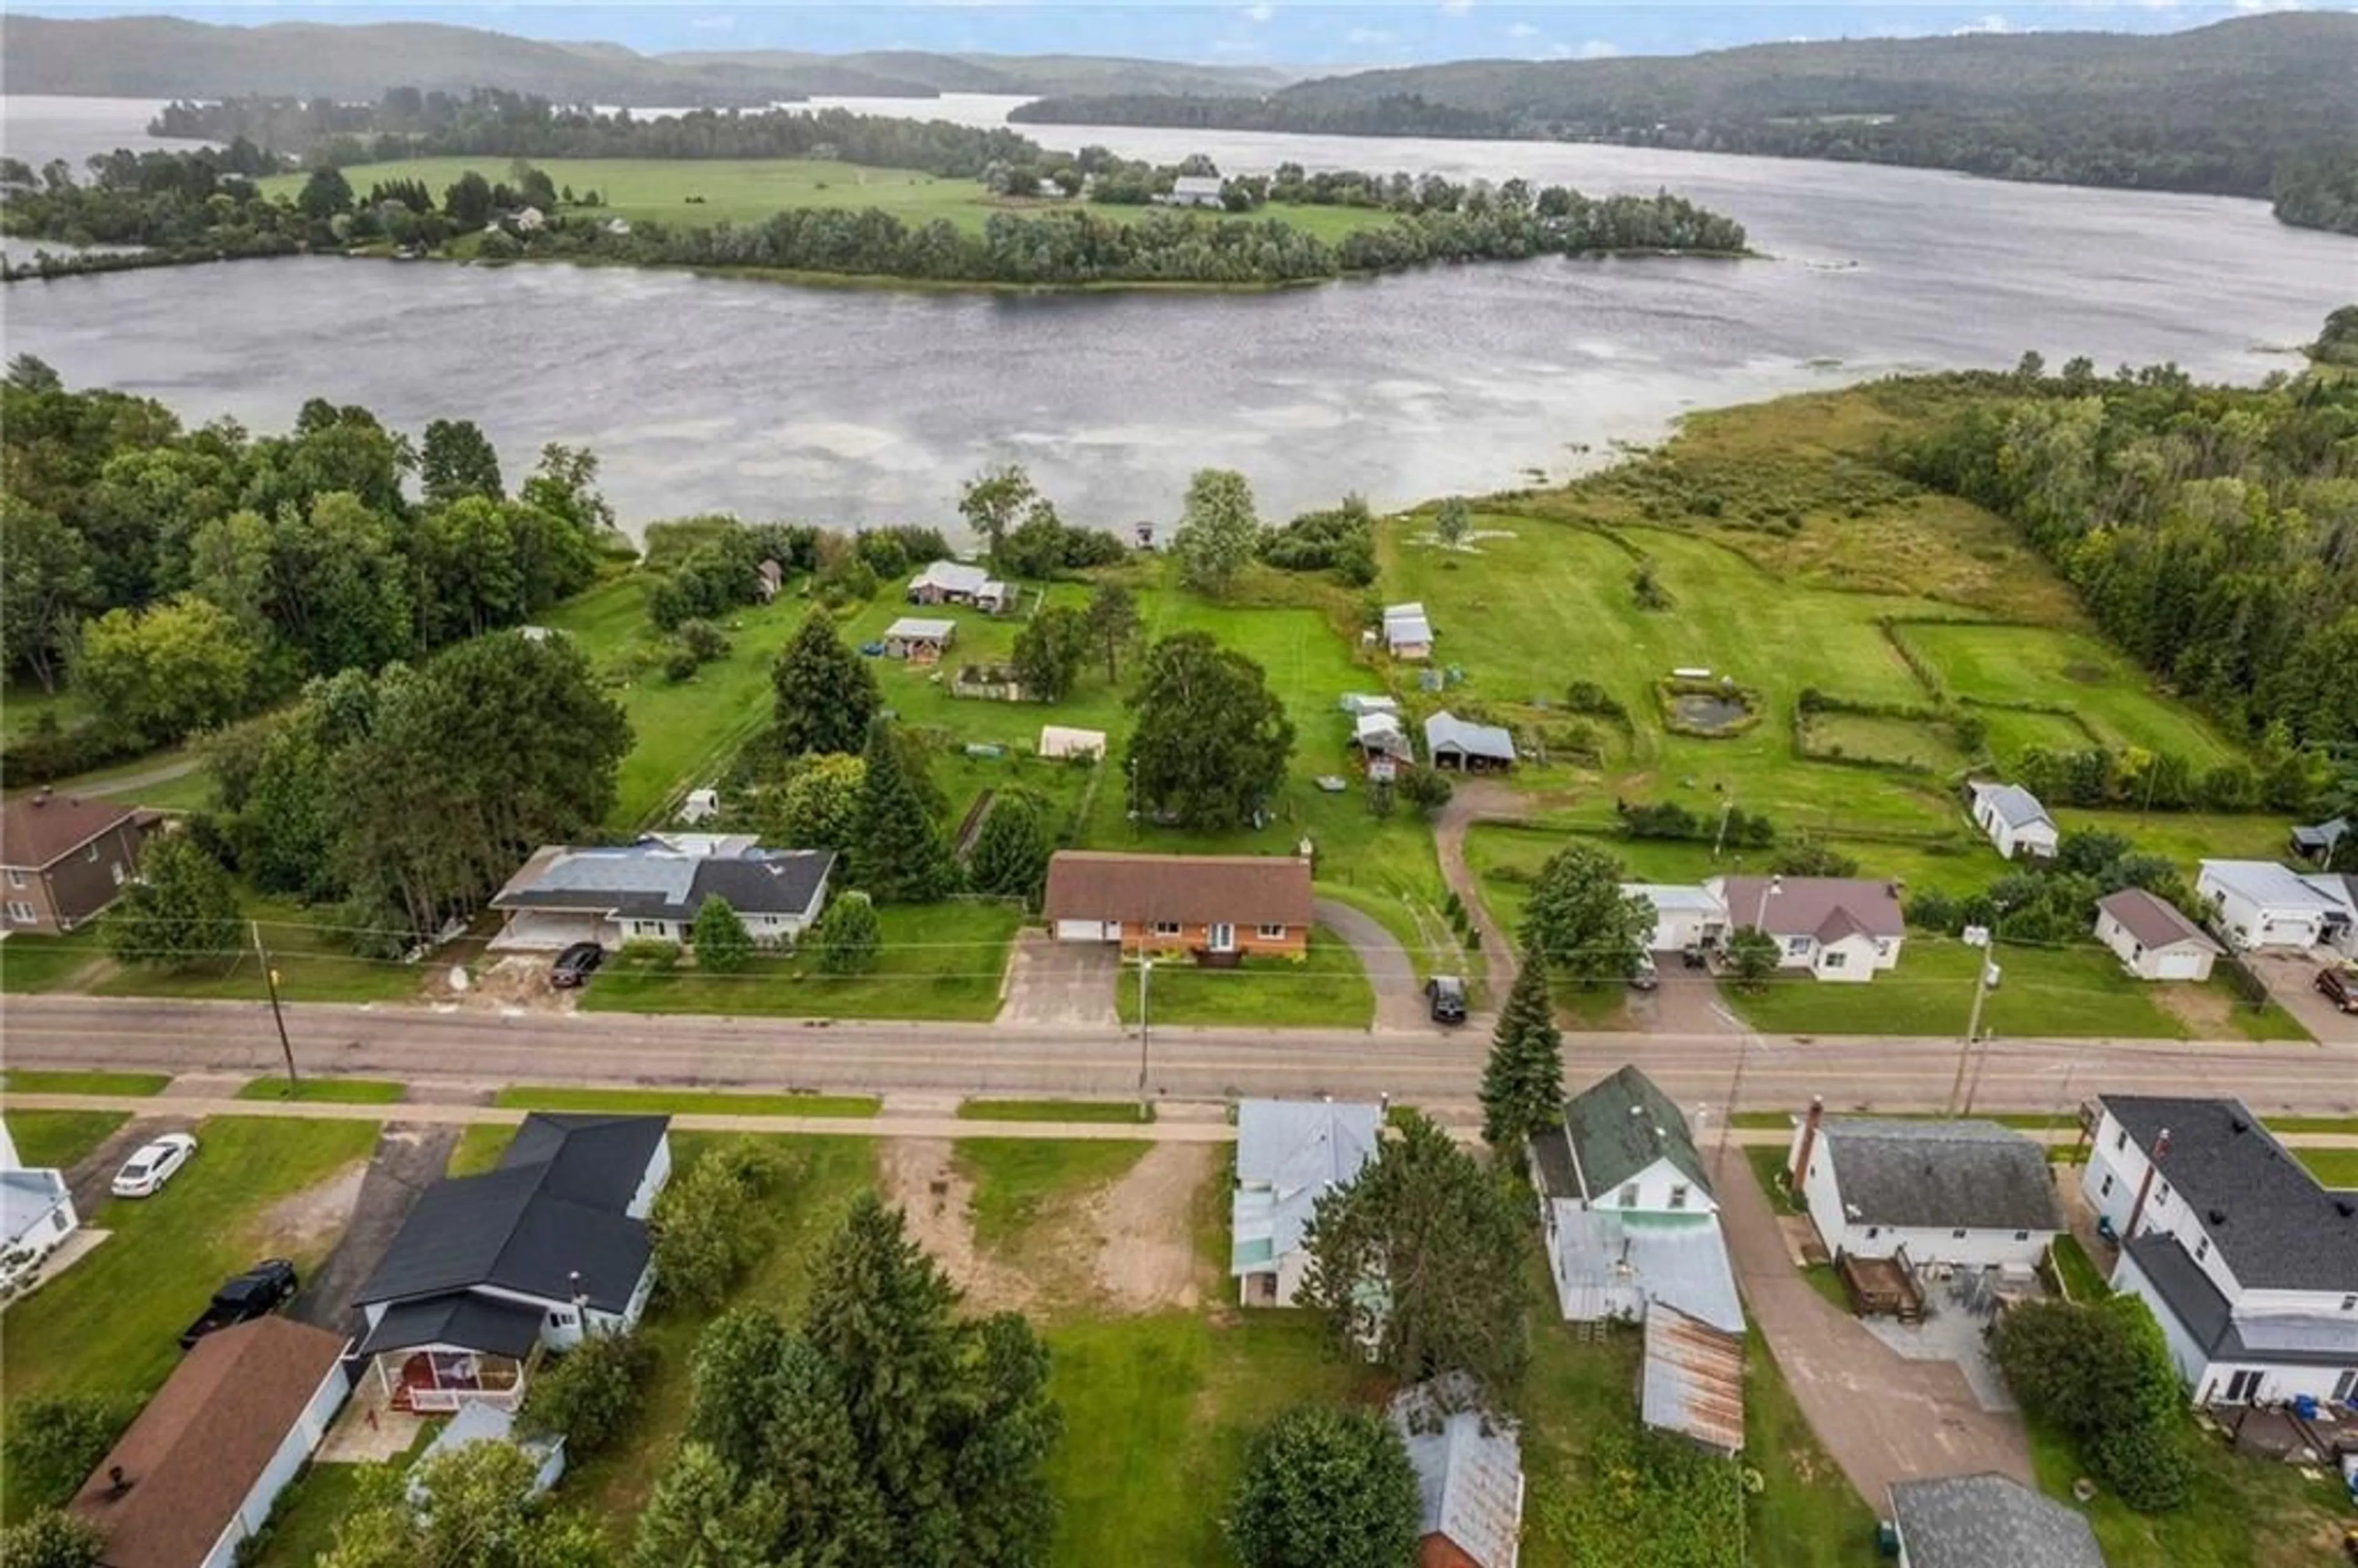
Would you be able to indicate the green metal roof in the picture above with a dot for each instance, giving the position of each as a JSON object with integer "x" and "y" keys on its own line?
{"x": 1623, "y": 1124}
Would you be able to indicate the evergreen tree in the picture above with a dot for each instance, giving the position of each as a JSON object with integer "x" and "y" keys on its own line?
{"x": 1327, "y": 1488}
{"x": 455, "y": 459}
{"x": 1011, "y": 852}
{"x": 825, "y": 696}
{"x": 703, "y": 1516}
{"x": 1522, "y": 1086}
{"x": 897, "y": 853}
{"x": 718, "y": 935}
{"x": 181, "y": 914}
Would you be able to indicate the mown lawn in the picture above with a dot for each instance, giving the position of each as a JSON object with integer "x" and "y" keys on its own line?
{"x": 1080, "y": 1110}
{"x": 479, "y": 1147}
{"x": 333, "y": 1091}
{"x": 35, "y": 1081}
{"x": 935, "y": 961}
{"x": 60, "y": 1139}
{"x": 2241, "y": 1512}
{"x": 2074, "y": 992}
{"x": 2334, "y": 1167}
{"x": 2067, "y": 669}
{"x": 1327, "y": 990}
{"x": 108, "y": 1324}
{"x": 30, "y": 964}
{"x": 702, "y": 1102}
{"x": 312, "y": 956}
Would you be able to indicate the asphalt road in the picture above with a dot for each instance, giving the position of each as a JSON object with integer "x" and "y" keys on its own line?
{"x": 475, "y": 1045}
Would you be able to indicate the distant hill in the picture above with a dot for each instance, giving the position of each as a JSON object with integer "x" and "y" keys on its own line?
{"x": 159, "y": 56}
{"x": 2214, "y": 109}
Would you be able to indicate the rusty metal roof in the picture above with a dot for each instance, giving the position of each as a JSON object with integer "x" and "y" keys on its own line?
{"x": 1693, "y": 1380}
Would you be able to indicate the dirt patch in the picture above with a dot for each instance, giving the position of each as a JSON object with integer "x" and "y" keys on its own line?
{"x": 921, "y": 1175}
{"x": 2208, "y": 1014}
{"x": 1145, "y": 1257}
{"x": 520, "y": 979}
{"x": 299, "y": 1220}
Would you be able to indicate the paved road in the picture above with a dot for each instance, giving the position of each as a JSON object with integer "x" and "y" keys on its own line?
{"x": 485, "y": 1046}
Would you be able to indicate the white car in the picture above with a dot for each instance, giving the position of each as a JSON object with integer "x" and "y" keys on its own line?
{"x": 145, "y": 1174}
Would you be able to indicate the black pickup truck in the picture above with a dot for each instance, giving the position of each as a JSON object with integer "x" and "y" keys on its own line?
{"x": 259, "y": 1291}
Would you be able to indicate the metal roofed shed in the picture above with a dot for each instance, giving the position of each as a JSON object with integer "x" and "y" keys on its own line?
{"x": 1616, "y": 1264}
{"x": 1059, "y": 741}
{"x": 1693, "y": 1380}
{"x": 1988, "y": 1521}
{"x": 1469, "y": 1474}
{"x": 1456, "y": 742}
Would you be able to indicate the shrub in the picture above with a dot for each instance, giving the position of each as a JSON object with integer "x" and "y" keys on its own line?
{"x": 2101, "y": 1373}
{"x": 52, "y": 1444}
{"x": 591, "y": 1394}
{"x": 1327, "y": 1487}
{"x": 679, "y": 665}
{"x": 1813, "y": 860}
{"x": 709, "y": 1223}
{"x": 722, "y": 942}
{"x": 848, "y": 934}
{"x": 1427, "y": 789}
{"x": 644, "y": 955}
{"x": 52, "y": 1539}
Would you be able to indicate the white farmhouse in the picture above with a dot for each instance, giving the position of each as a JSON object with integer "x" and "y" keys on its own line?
{"x": 2263, "y": 904}
{"x": 1838, "y": 928}
{"x": 2014, "y": 820}
{"x": 1970, "y": 1194}
{"x": 2248, "y": 1261}
{"x": 1289, "y": 1154}
{"x": 2152, "y": 939}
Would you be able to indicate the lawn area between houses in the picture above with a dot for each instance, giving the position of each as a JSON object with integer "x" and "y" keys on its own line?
{"x": 36, "y": 1081}
{"x": 108, "y": 1324}
{"x": 685, "y": 1101}
{"x": 31, "y": 964}
{"x": 60, "y": 1139}
{"x": 935, "y": 961}
{"x": 310, "y": 953}
{"x": 2240, "y": 1513}
{"x": 1327, "y": 990}
{"x": 1077, "y": 1110}
{"x": 302, "y": 1526}
{"x": 334, "y": 1091}
{"x": 1016, "y": 1180}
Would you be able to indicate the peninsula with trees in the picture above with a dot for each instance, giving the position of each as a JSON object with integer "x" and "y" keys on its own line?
{"x": 830, "y": 196}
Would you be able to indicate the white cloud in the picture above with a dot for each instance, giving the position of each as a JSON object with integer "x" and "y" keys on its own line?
{"x": 1456, "y": 7}
{"x": 1260, "y": 13}
{"x": 1992, "y": 23}
{"x": 1522, "y": 30}
{"x": 721, "y": 23}
{"x": 1369, "y": 35}
{"x": 1595, "y": 48}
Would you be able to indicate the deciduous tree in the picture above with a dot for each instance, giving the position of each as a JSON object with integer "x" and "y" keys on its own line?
{"x": 818, "y": 803}
{"x": 476, "y": 1510}
{"x": 1753, "y": 954}
{"x": 992, "y": 499}
{"x": 1522, "y": 1086}
{"x": 159, "y": 673}
{"x": 722, "y": 944}
{"x": 1325, "y": 1487}
{"x": 455, "y": 459}
{"x": 1049, "y": 652}
{"x": 181, "y": 914}
{"x": 825, "y": 695}
{"x": 1219, "y": 531}
{"x": 1211, "y": 741}
{"x": 848, "y": 934}
{"x": 1580, "y": 919}
{"x": 1113, "y": 622}
{"x": 591, "y": 1395}
{"x": 1453, "y": 523}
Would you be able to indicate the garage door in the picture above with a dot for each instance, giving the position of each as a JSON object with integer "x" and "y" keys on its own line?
{"x": 1089, "y": 931}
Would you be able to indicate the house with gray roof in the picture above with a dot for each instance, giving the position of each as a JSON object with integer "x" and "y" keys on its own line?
{"x": 1988, "y": 1521}
{"x": 2152, "y": 939}
{"x": 1469, "y": 1475}
{"x": 36, "y": 1216}
{"x": 955, "y": 582}
{"x": 1838, "y": 928}
{"x": 1470, "y": 748}
{"x": 1971, "y": 1195}
{"x": 1289, "y": 1154}
{"x": 1627, "y": 1209}
{"x": 2249, "y": 1263}
{"x": 2261, "y": 904}
{"x": 2013, "y": 819}
{"x": 1195, "y": 191}
{"x": 488, "y": 1270}
{"x": 1408, "y": 634}
{"x": 2315, "y": 842}
{"x": 651, "y": 890}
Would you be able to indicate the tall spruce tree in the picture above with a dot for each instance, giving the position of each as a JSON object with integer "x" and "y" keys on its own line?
{"x": 897, "y": 853}
{"x": 825, "y": 697}
{"x": 1522, "y": 1086}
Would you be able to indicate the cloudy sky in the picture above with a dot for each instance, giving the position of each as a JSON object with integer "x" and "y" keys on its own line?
{"x": 1270, "y": 32}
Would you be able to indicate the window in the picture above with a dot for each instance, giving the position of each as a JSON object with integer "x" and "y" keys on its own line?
{"x": 2162, "y": 1195}
{"x": 2350, "y": 1303}
{"x": 1835, "y": 959}
{"x": 1166, "y": 929}
{"x": 1797, "y": 943}
{"x": 90, "y": 852}
{"x": 1270, "y": 933}
{"x": 16, "y": 878}
{"x": 20, "y": 912}
{"x": 2022, "y": 1236}
{"x": 1679, "y": 1195}
{"x": 1629, "y": 1195}
{"x": 2344, "y": 1386}
{"x": 1873, "y": 1232}
{"x": 2122, "y": 1140}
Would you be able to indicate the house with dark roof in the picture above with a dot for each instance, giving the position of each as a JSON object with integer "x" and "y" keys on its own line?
{"x": 195, "y": 1473}
{"x": 2152, "y": 939}
{"x": 1628, "y": 1211}
{"x": 64, "y": 859}
{"x": 1469, "y": 1475}
{"x": 1838, "y": 928}
{"x": 651, "y": 890}
{"x": 2014, "y": 820}
{"x": 489, "y": 1271}
{"x": 1212, "y": 906}
{"x": 2317, "y": 841}
{"x": 2249, "y": 1263}
{"x": 1971, "y": 1195}
{"x": 1988, "y": 1521}
{"x": 1290, "y": 1153}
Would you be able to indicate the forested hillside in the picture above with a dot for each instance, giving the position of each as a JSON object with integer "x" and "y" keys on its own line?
{"x": 2213, "y": 531}
{"x": 159, "y": 56}
{"x": 2222, "y": 109}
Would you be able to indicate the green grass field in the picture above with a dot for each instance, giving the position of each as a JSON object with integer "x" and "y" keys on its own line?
{"x": 335, "y": 1091}
{"x": 1909, "y": 741}
{"x": 1016, "y": 1179}
{"x": 2241, "y": 1511}
{"x": 2064, "y": 992}
{"x": 31, "y": 964}
{"x": 2334, "y": 1167}
{"x": 699, "y": 1102}
{"x": 108, "y": 1324}
{"x": 936, "y": 962}
{"x": 1327, "y": 990}
{"x": 2068, "y": 669}
{"x": 30, "y": 1081}
{"x": 1077, "y": 1110}
{"x": 60, "y": 1139}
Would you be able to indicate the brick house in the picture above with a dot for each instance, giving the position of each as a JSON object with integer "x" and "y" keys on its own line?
{"x": 64, "y": 859}
{"x": 1211, "y": 906}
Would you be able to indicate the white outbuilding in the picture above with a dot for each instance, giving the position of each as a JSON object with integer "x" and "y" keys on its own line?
{"x": 2014, "y": 820}
{"x": 2152, "y": 939}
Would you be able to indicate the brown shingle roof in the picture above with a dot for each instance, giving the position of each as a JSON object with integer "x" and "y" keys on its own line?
{"x": 1193, "y": 890}
{"x": 2153, "y": 921}
{"x": 1807, "y": 906}
{"x": 203, "y": 1441}
{"x": 37, "y": 829}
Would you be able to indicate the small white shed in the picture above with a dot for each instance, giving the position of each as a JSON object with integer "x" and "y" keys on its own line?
{"x": 2152, "y": 939}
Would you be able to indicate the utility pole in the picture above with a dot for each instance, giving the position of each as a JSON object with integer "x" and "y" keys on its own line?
{"x": 1145, "y": 970}
{"x": 270, "y": 978}
{"x": 1734, "y": 1095}
{"x": 1973, "y": 1023}
{"x": 1720, "y": 838}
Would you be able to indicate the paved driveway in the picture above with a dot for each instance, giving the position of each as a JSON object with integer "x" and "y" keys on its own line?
{"x": 1061, "y": 982}
{"x": 1883, "y": 1418}
{"x": 409, "y": 1159}
{"x": 1399, "y": 1000}
{"x": 2292, "y": 981}
{"x": 92, "y": 1180}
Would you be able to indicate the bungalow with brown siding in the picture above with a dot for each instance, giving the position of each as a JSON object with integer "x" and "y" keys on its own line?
{"x": 1211, "y": 906}
{"x": 64, "y": 859}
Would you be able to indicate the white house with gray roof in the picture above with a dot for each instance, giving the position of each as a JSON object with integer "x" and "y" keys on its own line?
{"x": 1289, "y": 1153}
{"x": 1967, "y": 1194}
{"x": 651, "y": 890}
{"x": 2259, "y": 903}
{"x": 2249, "y": 1263}
{"x": 1988, "y": 1521}
{"x": 1469, "y": 1475}
{"x": 1685, "y": 915}
{"x": 2013, "y": 819}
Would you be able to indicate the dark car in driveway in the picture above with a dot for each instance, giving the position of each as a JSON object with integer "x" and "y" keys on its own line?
{"x": 1444, "y": 997}
{"x": 2339, "y": 988}
{"x": 259, "y": 1291}
{"x": 575, "y": 964}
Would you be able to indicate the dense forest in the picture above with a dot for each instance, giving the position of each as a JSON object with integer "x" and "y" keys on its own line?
{"x": 2224, "y": 109}
{"x": 184, "y": 577}
{"x": 2213, "y": 531}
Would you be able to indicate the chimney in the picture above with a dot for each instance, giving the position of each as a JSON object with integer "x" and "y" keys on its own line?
{"x": 1808, "y": 1143}
{"x": 2153, "y": 1163}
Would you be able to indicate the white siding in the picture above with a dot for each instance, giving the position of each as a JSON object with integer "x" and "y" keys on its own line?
{"x": 659, "y": 1172}
{"x": 2185, "y": 962}
{"x": 1654, "y": 1188}
{"x": 1977, "y": 1248}
{"x": 2252, "y": 925}
{"x": 302, "y": 1441}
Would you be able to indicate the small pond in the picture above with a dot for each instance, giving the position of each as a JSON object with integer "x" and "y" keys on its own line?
{"x": 1709, "y": 711}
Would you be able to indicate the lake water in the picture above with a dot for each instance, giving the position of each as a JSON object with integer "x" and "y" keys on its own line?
{"x": 857, "y": 407}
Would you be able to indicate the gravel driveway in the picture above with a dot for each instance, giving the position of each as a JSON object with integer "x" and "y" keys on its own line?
{"x": 409, "y": 1158}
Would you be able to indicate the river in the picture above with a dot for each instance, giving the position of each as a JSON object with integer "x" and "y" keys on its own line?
{"x": 856, "y": 408}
